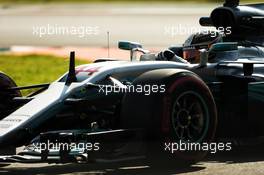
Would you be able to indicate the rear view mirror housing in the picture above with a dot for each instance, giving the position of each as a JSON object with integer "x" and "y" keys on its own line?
{"x": 225, "y": 46}
{"x": 128, "y": 45}
{"x": 133, "y": 47}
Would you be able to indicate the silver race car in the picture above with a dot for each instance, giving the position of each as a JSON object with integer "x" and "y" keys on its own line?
{"x": 114, "y": 110}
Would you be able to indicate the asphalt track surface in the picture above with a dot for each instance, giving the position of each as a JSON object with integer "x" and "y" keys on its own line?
{"x": 248, "y": 160}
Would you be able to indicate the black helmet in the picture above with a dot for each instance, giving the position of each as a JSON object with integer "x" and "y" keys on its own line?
{"x": 197, "y": 41}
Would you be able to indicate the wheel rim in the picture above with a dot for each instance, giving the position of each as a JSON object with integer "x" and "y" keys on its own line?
{"x": 190, "y": 117}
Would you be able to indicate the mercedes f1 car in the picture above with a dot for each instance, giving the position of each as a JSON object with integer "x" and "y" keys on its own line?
{"x": 119, "y": 110}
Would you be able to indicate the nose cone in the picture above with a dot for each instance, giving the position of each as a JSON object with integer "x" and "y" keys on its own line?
{"x": 14, "y": 129}
{"x": 23, "y": 124}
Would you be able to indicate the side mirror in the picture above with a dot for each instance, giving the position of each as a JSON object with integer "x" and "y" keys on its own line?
{"x": 224, "y": 51}
{"x": 133, "y": 47}
{"x": 226, "y": 46}
{"x": 127, "y": 45}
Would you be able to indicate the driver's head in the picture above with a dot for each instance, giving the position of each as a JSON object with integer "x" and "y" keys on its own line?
{"x": 197, "y": 41}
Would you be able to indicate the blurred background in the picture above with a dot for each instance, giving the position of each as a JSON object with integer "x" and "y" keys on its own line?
{"x": 36, "y": 34}
{"x": 35, "y": 24}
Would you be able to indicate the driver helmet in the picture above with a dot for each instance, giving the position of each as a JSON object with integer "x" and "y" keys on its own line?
{"x": 197, "y": 41}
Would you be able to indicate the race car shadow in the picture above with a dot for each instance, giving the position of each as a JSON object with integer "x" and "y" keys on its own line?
{"x": 133, "y": 168}
{"x": 242, "y": 154}
{"x": 238, "y": 155}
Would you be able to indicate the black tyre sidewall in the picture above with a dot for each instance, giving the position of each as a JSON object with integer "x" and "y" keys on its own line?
{"x": 153, "y": 113}
{"x": 6, "y": 97}
{"x": 190, "y": 83}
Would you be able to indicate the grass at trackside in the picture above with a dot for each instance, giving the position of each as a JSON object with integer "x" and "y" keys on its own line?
{"x": 34, "y": 69}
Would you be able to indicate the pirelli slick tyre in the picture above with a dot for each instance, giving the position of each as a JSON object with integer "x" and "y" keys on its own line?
{"x": 6, "y": 96}
{"x": 184, "y": 113}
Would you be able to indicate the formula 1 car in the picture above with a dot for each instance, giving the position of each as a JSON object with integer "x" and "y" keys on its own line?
{"x": 114, "y": 110}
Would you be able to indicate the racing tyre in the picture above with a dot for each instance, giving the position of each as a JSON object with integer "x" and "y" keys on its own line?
{"x": 6, "y": 96}
{"x": 184, "y": 114}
